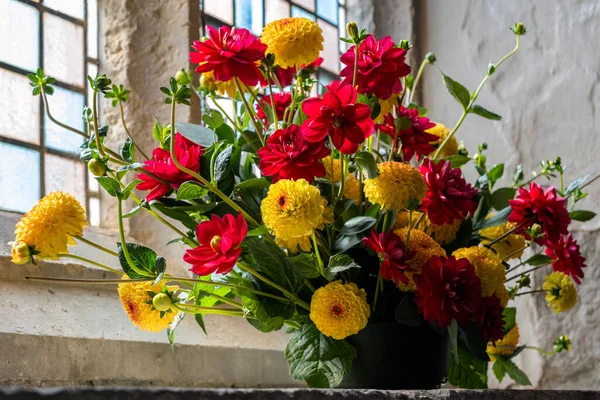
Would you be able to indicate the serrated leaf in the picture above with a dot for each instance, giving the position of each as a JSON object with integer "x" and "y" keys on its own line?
{"x": 306, "y": 264}
{"x": 357, "y": 225}
{"x": 510, "y": 318}
{"x": 469, "y": 372}
{"x": 513, "y": 371}
{"x": 482, "y": 112}
{"x": 499, "y": 371}
{"x": 109, "y": 184}
{"x": 143, "y": 258}
{"x": 473, "y": 337}
{"x": 366, "y": 163}
{"x": 223, "y": 164}
{"x": 191, "y": 191}
{"x": 271, "y": 261}
{"x": 582, "y": 215}
{"x": 458, "y": 91}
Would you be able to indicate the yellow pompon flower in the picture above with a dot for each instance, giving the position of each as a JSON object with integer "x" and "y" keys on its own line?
{"x": 339, "y": 310}
{"x": 488, "y": 267}
{"x": 506, "y": 246}
{"x": 134, "y": 297}
{"x": 424, "y": 247}
{"x": 333, "y": 173}
{"x": 562, "y": 295}
{"x": 506, "y": 346}
{"x": 49, "y": 225}
{"x": 386, "y": 105}
{"x": 291, "y": 210}
{"x": 293, "y": 41}
{"x": 443, "y": 234}
{"x": 397, "y": 185}
{"x": 503, "y": 295}
{"x": 229, "y": 88}
{"x": 451, "y": 148}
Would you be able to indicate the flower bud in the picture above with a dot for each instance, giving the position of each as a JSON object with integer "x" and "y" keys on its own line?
{"x": 536, "y": 229}
{"x": 97, "y": 167}
{"x": 162, "y": 302}
{"x": 405, "y": 44}
{"x": 525, "y": 281}
{"x": 562, "y": 343}
{"x": 430, "y": 57}
{"x": 20, "y": 252}
{"x": 352, "y": 30}
{"x": 182, "y": 77}
{"x": 207, "y": 83}
{"x": 519, "y": 29}
{"x": 491, "y": 68}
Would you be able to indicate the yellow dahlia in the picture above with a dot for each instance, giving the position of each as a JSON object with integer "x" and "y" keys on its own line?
{"x": 293, "y": 41}
{"x": 291, "y": 210}
{"x": 137, "y": 303}
{"x": 208, "y": 81}
{"x": 506, "y": 246}
{"x": 424, "y": 248}
{"x": 20, "y": 253}
{"x": 49, "y": 225}
{"x": 443, "y": 234}
{"x": 561, "y": 293}
{"x": 333, "y": 173}
{"x": 397, "y": 185}
{"x": 503, "y": 295}
{"x": 386, "y": 106}
{"x": 451, "y": 148}
{"x": 339, "y": 310}
{"x": 488, "y": 267}
{"x": 506, "y": 346}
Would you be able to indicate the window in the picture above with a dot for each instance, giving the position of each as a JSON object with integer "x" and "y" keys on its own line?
{"x": 37, "y": 156}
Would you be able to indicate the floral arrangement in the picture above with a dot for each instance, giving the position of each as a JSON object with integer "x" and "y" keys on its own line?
{"x": 322, "y": 209}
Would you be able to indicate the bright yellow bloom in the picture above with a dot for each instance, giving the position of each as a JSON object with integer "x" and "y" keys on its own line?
{"x": 562, "y": 295}
{"x": 293, "y": 41}
{"x": 397, "y": 185}
{"x": 387, "y": 105}
{"x": 48, "y": 227}
{"x": 20, "y": 252}
{"x": 488, "y": 267}
{"x": 339, "y": 310}
{"x": 503, "y": 295}
{"x": 134, "y": 296}
{"x": 443, "y": 234}
{"x": 506, "y": 346}
{"x": 333, "y": 173}
{"x": 291, "y": 210}
{"x": 506, "y": 246}
{"x": 208, "y": 81}
{"x": 424, "y": 248}
{"x": 451, "y": 148}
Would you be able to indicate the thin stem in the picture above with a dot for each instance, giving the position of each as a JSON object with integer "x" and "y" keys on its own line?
{"x": 354, "y": 77}
{"x": 417, "y": 80}
{"x": 253, "y": 117}
{"x": 124, "y": 243}
{"x": 344, "y": 162}
{"x": 530, "y": 180}
{"x": 95, "y": 117}
{"x": 319, "y": 260}
{"x": 275, "y": 119}
{"x": 194, "y": 309}
{"x": 129, "y": 133}
{"x": 235, "y": 125}
{"x": 97, "y": 246}
{"x": 584, "y": 185}
{"x": 410, "y": 226}
{"x": 97, "y": 264}
{"x": 562, "y": 185}
{"x": 67, "y": 127}
{"x": 309, "y": 285}
{"x": 416, "y": 224}
{"x": 530, "y": 292}
{"x": 224, "y": 299}
{"x": 377, "y": 286}
{"x": 541, "y": 351}
{"x": 525, "y": 273}
{"x": 505, "y": 234}
{"x": 508, "y": 257}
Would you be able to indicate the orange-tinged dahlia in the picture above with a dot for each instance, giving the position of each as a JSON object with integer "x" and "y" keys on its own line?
{"x": 49, "y": 226}
{"x": 293, "y": 41}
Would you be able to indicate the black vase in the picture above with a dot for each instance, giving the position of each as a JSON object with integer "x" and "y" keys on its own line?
{"x": 395, "y": 356}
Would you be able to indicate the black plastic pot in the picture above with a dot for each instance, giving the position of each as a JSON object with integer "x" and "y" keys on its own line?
{"x": 395, "y": 356}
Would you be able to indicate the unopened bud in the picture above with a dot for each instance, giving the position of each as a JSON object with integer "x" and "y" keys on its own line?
{"x": 20, "y": 253}
{"x": 207, "y": 83}
{"x": 162, "y": 302}
{"x": 536, "y": 229}
{"x": 519, "y": 29}
{"x": 97, "y": 167}
{"x": 352, "y": 30}
{"x": 405, "y": 44}
{"x": 562, "y": 343}
{"x": 430, "y": 57}
{"x": 182, "y": 77}
{"x": 525, "y": 281}
{"x": 491, "y": 68}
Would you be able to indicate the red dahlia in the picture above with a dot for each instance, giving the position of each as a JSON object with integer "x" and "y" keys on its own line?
{"x": 288, "y": 156}
{"x": 337, "y": 115}
{"x": 219, "y": 249}
{"x": 285, "y": 77}
{"x": 490, "y": 319}
{"x": 447, "y": 289}
{"x": 566, "y": 256}
{"x": 230, "y": 53}
{"x": 449, "y": 197}
{"x": 188, "y": 154}
{"x": 380, "y": 67}
{"x": 412, "y": 134}
{"x": 394, "y": 254}
{"x": 544, "y": 207}
{"x": 282, "y": 101}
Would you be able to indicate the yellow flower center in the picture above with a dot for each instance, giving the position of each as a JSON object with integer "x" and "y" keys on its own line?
{"x": 215, "y": 243}
{"x": 337, "y": 310}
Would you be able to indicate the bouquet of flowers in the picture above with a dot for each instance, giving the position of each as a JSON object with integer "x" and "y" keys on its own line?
{"x": 322, "y": 209}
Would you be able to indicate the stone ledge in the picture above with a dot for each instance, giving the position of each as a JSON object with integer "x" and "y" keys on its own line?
{"x": 296, "y": 394}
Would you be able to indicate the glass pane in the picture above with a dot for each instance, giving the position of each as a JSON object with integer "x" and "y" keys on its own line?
{"x": 20, "y": 178}
{"x": 300, "y": 12}
{"x": 276, "y": 9}
{"x": 225, "y": 104}
{"x": 221, "y": 9}
{"x": 20, "y": 115}
{"x": 92, "y": 70}
{"x": 308, "y": 4}
{"x": 342, "y": 28}
{"x": 65, "y": 175}
{"x": 328, "y": 10}
{"x": 92, "y": 28}
{"x": 94, "y": 211}
{"x": 248, "y": 14}
{"x": 331, "y": 50}
{"x": 20, "y": 23}
{"x": 63, "y": 50}
{"x": 74, "y": 8}
{"x": 93, "y": 185}
{"x": 66, "y": 106}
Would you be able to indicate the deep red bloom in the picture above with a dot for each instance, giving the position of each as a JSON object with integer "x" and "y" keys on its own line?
{"x": 544, "y": 207}
{"x": 337, "y": 115}
{"x": 313, "y": 65}
{"x": 380, "y": 67}
{"x": 490, "y": 319}
{"x": 449, "y": 197}
{"x": 391, "y": 249}
{"x": 447, "y": 289}
{"x": 288, "y": 156}
{"x": 188, "y": 154}
{"x": 219, "y": 249}
{"x": 285, "y": 77}
{"x": 230, "y": 53}
{"x": 282, "y": 101}
{"x": 568, "y": 259}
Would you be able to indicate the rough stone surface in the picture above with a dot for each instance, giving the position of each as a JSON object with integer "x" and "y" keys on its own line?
{"x": 548, "y": 96}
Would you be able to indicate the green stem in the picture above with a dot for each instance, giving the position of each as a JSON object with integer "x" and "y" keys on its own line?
{"x": 275, "y": 119}
{"x": 505, "y": 234}
{"x": 292, "y": 106}
{"x": 525, "y": 273}
{"x": 231, "y": 121}
{"x": 97, "y": 264}
{"x": 417, "y": 80}
{"x": 95, "y": 117}
{"x": 584, "y": 185}
{"x": 124, "y": 243}
{"x": 95, "y": 245}
{"x": 253, "y": 117}
{"x": 410, "y": 226}
{"x": 508, "y": 257}
{"x": 530, "y": 292}
{"x": 344, "y": 162}
{"x": 541, "y": 351}
{"x": 51, "y": 118}
{"x": 354, "y": 77}
{"x": 377, "y": 286}
{"x": 319, "y": 260}
{"x": 194, "y": 309}
{"x": 225, "y": 300}
{"x": 129, "y": 133}
{"x": 309, "y": 285}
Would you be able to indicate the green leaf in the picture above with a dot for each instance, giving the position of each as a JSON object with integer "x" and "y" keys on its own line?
{"x": 225, "y": 133}
{"x": 510, "y": 318}
{"x": 253, "y": 183}
{"x": 317, "y": 359}
{"x": 306, "y": 264}
{"x": 143, "y": 258}
{"x": 129, "y": 167}
{"x": 473, "y": 337}
{"x": 482, "y": 112}
{"x": 196, "y": 133}
{"x": 127, "y": 151}
{"x": 582, "y": 215}
{"x": 495, "y": 173}
{"x": 366, "y": 163}
{"x": 501, "y": 196}
{"x": 538, "y": 259}
{"x": 518, "y": 175}
{"x": 576, "y": 184}
{"x": 453, "y": 333}
{"x": 339, "y": 263}
{"x": 458, "y": 91}
{"x": 457, "y": 160}
{"x": 171, "y": 329}
{"x": 223, "y": 164}
{"x": 499, "y": 370}
{"x": 373, "y": 211}
{"x": 469, "y": 372}
{"x": 128, "y": 189}
{"x": 344, "y": 242}
{"x": 213, "y": 119}
{"x": 109, "y": 184}
{"x": 191, "y": 191}
{"x": 513, "y": 371}
{"x": 271, "y": 261}
{"x": 357, "y": 225}
{"x": 496, "y": 220}
{"x": 133, "y": 211}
